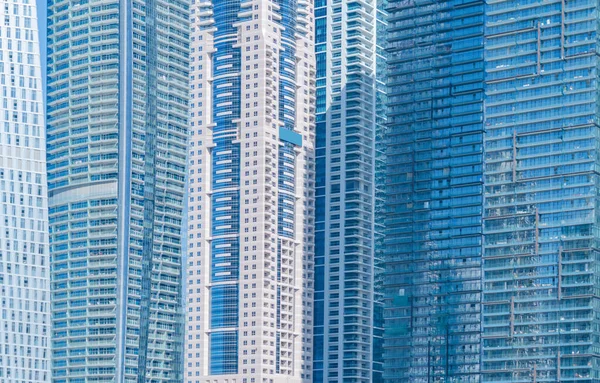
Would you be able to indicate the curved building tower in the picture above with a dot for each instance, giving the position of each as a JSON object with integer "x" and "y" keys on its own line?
{"x": 250, "y": 252}
{"x": 117, "y": 135}
{"x": 24, "y": 259}
{"x": 541, "y": 227}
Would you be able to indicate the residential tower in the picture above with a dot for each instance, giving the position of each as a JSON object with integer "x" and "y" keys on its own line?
{"x": 24, "y": 253}
{"x": 117, "y": 144}
{"x": 251, "y": 192}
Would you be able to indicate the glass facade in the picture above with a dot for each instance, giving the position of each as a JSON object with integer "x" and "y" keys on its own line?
{"x": 116, "y": 147}
{"x": 540, "y": 315}
{"x": 251, "y": 192}
{"x": 433, "y": 245}
{"x": 349, "y": 36}
{"x": 499, "y": 261}
{"x": 24, "y": 258}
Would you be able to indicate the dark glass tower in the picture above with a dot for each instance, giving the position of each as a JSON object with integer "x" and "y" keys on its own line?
{"x": 433, "y": 245}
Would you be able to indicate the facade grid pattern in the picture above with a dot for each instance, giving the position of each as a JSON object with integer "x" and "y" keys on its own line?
{"x": 540, "y": 313}
{"x": 492, "y": 247}
{"x": 24, "y": 251}
{"x": 116, "y": 143}
{"x": 433, "y": 245}
{"x": 349, "y": 38}
{"x": 251, "y": 192}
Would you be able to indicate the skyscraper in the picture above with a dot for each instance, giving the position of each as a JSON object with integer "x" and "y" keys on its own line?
{"x": 24, "y": 260}
{"x": 541, "y": 193}
{"x": 535, "y": 198}
{"x": 117, "y": 140}
{"x": 349, "y": 37}
{"x": 251, "y": 192}
{"x": 433, "y": 243}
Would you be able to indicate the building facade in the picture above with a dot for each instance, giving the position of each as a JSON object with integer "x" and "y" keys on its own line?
{"x": 513, "y": 87}
{"x": 251, "y": 193}
{"x": 349, "y": 36}
{"x": 24, "y": 257}
{"x": 116, "y": 147}
{"x": 433, "y": 245}
{"x": 541, "y": 255}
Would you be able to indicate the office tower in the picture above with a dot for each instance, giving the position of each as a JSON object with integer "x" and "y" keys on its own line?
{"x": 251, "y": 191}
{"x": 434, "y": 192}
{"x": 117, "y": 142}
{"x": 349, "y": 37}
{"x": 24, "y": 259}
{"x": 541, "y": 193}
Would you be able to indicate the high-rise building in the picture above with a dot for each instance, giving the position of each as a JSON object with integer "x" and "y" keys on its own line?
{"x": 540, "y": 291}
{"x": 117, "y": 142}
{"x": 522, "y": 229}
{"x": 251, "y": 192}
{"x": 349, "y": 36}
{"x": 24, "y": 259}
{"x": 433, "y": 244}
